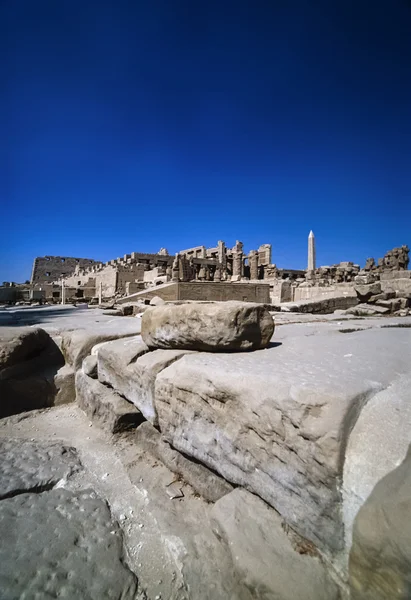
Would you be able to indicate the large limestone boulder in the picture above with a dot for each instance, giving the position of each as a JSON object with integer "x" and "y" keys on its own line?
{"x": 269, "y": 563}
{"x": 380, "y": 558}
{"x": 277, "y": 421}
{"x": 367, "y": 310}
{"x": 212, "y": 327}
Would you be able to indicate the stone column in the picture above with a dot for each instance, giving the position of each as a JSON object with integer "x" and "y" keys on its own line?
{"x": 176, "y": 268}
{"x": 238, "y": 265}
{"x": 253, "y": 261}
{"x": 100, "y": 292}
{"x": 311, "y": 252}
{"x": 222, "y": 257}
{"x": 63, "y": 292}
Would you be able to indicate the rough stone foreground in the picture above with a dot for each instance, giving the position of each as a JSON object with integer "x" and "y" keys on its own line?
{"x": 381, "y": 550}
{"x": 268, "y": 570}
{"x": 61, "y": 544}
{"x": 277, "y": 421}
{"x": 27, "y": 466}
{"x": 174, "y": 546}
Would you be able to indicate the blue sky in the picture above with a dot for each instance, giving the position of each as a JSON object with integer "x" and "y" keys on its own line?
{"x": 130, "y": 125}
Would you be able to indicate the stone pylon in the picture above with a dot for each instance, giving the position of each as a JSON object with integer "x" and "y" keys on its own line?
{"x": 311, "y": 252}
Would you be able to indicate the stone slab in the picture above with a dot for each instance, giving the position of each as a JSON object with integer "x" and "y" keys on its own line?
{"x": 77, "y": 344}
{"x": 130, "y": 369}
{"x": 377, "y": 445}
{"x": 61, "y": 544}
{"x": 267, "y": 563}
{"x": 104, "y": 406}
{"x": 321, "y": 305}
{"x": 380, "y": 558}
{"x": 277, "y": 421}
{"x": 89, "y": 366}
{"x": 65, "y": 386}
{"x": 368, "y": 310}
{"x": 210, "y": 486}
{"x": 33, "y": 466}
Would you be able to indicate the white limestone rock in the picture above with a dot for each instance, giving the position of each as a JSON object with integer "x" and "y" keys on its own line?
{"x": 130, "y": 369}
{"x": 65, "y": 386}
{"x": 267, "y": 563}
{"x": 78, "y": 344}
{"x": 213, "y": 327}
{"x": 380, "y": 558}
{"x": 277, "y": 421}
{"x": 104, "y": 406}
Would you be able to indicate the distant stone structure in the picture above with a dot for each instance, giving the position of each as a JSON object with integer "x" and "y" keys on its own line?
{"x": 47, "y": 269}
{"x": 138, "y": 272}
{"x": 311, "y": 252}
{"x": 396, "y": 259}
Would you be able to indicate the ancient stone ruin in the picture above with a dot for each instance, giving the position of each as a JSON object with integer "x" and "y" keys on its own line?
{"x": 220, "y": 273}
{"x": 196, "y": 451}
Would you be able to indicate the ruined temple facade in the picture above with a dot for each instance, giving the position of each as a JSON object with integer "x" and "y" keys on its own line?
{"x": 132, "y": 273}
{"x": 47, "y": 269}
{"x": 136, "y": 272}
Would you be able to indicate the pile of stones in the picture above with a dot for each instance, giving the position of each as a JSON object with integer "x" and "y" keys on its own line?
{"x": 373, "y": 301}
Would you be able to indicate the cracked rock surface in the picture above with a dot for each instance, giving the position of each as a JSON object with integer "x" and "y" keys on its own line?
{"x": 61, "y": 544}
{"x": 28, "y": 466}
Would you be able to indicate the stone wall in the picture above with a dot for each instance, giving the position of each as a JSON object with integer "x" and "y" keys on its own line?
{"x": 318, "y": 292}
{"x": 320, "y": 306}
{"x": 52, "y": 268}
{"x": 206, "y": 291}
{"x": 212, "y": 291}
{"x": 396, "y": 281}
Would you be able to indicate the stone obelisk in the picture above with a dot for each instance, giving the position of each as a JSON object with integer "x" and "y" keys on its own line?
{"x": 311, "y": 252}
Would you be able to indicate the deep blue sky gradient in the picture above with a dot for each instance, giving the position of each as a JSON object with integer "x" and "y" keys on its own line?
{"x": 130, "y": 125}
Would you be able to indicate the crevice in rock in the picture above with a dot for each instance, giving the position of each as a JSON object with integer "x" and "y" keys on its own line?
{"x": 36, "y": 489}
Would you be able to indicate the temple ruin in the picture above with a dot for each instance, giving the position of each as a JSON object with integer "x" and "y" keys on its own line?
{"x": 200, "y": 273}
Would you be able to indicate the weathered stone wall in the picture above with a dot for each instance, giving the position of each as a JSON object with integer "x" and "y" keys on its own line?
{"x": 168, "y": 292}
{"x": 280, "y": 291}
{"x": 212, "y": 291}
{"x": 320, "y": 292}
{"x": 52, "y": 268}
{"x": 322, "y": 306}
{"x": 128, "y": 274}
{"x": 206, "y": 291}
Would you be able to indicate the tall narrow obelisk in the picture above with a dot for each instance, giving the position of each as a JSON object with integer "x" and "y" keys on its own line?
{"x": 311, "y": 252}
